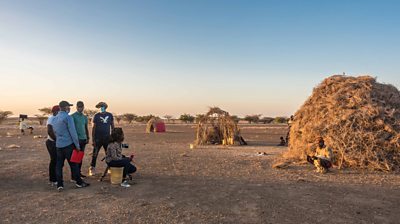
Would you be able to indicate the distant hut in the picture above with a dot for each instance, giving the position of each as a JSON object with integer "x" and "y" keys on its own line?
{"x": 155, "y": 125}
{"x": 218, "y": 127}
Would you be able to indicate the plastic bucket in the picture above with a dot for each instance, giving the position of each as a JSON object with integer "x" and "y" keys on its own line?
{"x": 116, "y": 175}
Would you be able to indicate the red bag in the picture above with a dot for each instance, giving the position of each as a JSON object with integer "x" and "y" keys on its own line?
{"x": 77, "y": 156}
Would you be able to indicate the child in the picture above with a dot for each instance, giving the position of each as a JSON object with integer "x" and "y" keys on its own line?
{"x": 323, "y": 157}
{"x": 114, "y": 157}
{"x": 23, "y": 126}
{"x": 283, "y": 142}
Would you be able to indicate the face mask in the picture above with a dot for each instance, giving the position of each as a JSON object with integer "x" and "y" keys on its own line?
{"x": 103, "y": 109}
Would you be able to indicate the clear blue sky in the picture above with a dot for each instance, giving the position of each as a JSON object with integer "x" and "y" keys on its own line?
{"x": 171, "y": 57}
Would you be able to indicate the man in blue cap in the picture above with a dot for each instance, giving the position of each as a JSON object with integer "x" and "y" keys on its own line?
{"x": 67, "y": 140}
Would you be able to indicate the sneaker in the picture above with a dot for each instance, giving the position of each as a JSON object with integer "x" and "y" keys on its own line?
{"x": 72, "y": 181}
{"x": 60, "y": 188}
{"x": 82, "y": 185}
{"x": 125, "y": 184}
{"x": 53, "y": 184}
{"x": 82, "y": 176}
{"x": 92, "y": 171}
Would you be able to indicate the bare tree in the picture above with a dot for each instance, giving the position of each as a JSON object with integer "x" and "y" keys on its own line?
{"x": 129, "y": 117}
{"x": 168, "y": 117}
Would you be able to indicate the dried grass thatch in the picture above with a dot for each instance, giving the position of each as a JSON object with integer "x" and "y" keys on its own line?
{"x": 155, "y": 125}
{"x": 358, "y": 118}
{"x": 218, "y": 127}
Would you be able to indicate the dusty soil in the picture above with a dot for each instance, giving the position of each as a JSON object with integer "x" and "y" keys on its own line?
{"x": 176, "y": 184}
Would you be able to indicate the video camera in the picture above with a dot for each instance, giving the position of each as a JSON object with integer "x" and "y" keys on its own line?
{"x": 124, "y": 146}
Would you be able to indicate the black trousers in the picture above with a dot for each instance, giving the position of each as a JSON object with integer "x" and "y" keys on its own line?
{"x": 62, "y": 155}
{"x": 129, "y": 168}
{"x": 51, "y": 148}
{"x": 99, "y": 143}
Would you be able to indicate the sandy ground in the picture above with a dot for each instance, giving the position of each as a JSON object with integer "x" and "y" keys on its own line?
{"x": 176, "y": 184}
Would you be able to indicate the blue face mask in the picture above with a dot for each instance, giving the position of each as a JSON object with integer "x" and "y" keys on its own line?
{"x": 103, "y": 109}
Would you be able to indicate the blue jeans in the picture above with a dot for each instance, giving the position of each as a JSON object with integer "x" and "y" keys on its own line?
{"x": 129, "y": 168}
{"x": 62, "y": 155}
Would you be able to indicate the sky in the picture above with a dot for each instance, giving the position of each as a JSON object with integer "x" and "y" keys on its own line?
{"x": 183, "y": 56}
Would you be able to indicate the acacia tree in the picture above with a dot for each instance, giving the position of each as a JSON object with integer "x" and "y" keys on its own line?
{"x": 199, "y": 117}
{"x": 187, "y": 118}
{"x": 145, "y": 118}
{"x": 235, "y": 118}
{"x": 90, "y": 114}
{"x": 252, "y": 118}
{"x": 128, "y": 117}
{"x": 280, "y": 120}
{"x": 266, "y": 120}
{"x": 46, "y": 111}
{"x": 4, "y": 115}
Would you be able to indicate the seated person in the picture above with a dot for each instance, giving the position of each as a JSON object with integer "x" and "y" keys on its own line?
{"x": 114, "y": 157}
{"x": 23, "y": 125}
{"x": 283, "y": 142}
{"x": 323, "y": 157}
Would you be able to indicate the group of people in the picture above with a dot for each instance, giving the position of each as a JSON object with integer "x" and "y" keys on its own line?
{"x": 70, "y": 132}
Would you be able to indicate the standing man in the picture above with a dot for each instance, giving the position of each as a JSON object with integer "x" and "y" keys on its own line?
{"x": 103, "y": 123}
{"x": 81, "y": 126}
{"x": 51, "y": 146}
{"x": 66, "y": 141}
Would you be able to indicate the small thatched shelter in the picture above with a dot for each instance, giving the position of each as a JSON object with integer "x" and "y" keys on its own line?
{"x": 155, "y": 125}
{"x": 359, "y": 119}
{"x": 218, "y": 127}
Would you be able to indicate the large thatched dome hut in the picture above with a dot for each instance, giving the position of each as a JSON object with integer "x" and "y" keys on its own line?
{"x": 359, "y": 119}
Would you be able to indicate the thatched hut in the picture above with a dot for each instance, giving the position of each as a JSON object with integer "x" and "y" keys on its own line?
{"x": 155, "y": 125}
{"x": 218, "y": 127}
{"x": 359, "y": 119}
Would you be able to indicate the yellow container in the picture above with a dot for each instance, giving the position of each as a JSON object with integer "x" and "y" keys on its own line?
{"x": 116, "y": 175}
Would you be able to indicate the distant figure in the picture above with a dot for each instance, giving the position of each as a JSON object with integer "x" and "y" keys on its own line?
{"x": 322, "y": 160}
{"x": 290, "y": 121}
{"x": 23, "y": 125}
{"x": 103, "y": 123}
{"x": 283, "y": 142}
{"x": 51, "y": 146}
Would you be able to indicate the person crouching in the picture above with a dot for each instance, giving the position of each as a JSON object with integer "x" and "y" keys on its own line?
{"x": 114, "y": 157}
{"x": 323, "y": 158}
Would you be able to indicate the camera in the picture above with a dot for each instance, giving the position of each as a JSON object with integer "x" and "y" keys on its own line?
{"x": 124, "y": 146}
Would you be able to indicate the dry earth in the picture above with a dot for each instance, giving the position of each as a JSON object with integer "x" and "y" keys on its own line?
{"x": 176, "y": 184}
